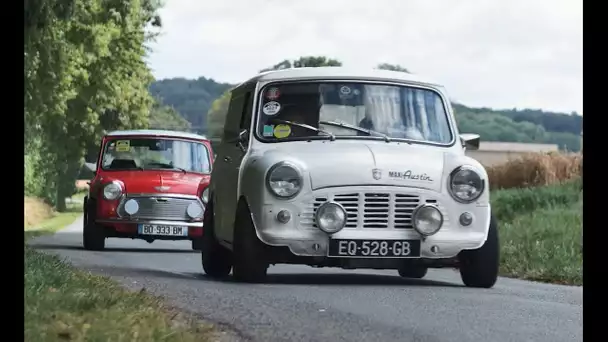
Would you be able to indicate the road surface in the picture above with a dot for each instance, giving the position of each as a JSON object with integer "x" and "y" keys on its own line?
{"x": 300, "y": 303}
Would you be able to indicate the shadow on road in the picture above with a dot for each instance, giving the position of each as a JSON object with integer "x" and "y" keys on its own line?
{"x": 336, "y": 279}
{"x": 113, "y": 249}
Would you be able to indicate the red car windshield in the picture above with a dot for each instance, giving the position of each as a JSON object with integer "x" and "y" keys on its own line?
{"x": 137, "y": 153}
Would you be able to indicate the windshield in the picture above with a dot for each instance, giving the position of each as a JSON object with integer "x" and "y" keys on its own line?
{"x": 334, "y": 110}
{"x": 155, "y": 154}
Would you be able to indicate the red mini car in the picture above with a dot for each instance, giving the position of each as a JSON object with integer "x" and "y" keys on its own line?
{"x": 149, "y": 185}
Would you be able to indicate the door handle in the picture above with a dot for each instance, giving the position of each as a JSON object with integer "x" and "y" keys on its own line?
{"x": 227, "y": 159}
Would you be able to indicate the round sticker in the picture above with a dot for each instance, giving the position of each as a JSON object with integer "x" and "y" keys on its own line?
{"x": 282, "y": 131}
{"x": 344, "y": 90}
{"x": 271, "y": 108}
{"x": 273, "y": 93}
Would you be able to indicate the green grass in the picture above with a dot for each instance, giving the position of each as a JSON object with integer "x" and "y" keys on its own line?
{"x": 62, "y": 303}
{"x": 540, "y": 232}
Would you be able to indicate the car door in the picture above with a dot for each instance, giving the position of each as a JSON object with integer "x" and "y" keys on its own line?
{"x": 230, "y": 159}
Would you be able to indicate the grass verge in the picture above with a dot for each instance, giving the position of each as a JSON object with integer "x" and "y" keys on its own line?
{"x": 62, "y": 303}
{"x": 540, "y": 231}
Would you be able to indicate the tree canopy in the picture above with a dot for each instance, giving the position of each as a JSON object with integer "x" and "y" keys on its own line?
{"x": 84, "y": 73}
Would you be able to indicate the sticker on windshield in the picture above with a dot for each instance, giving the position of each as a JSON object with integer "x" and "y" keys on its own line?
{"x": 268, "y": 130}
{"x": 123, "y": 146}
{"x": 273, "y": 93}
{"x": 271, "y": 108}
{"x": 282, "y": 131}
{"x": 344, "y": 90}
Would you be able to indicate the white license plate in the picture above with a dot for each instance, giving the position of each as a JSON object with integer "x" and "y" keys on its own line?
{"x": 159, "y": 229}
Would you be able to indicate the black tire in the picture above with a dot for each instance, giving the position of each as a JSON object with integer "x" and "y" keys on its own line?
{"x": 93, "y": 236}
{"x": 197, "y": 244}
{"x": 415, "y": 272}
{"x": 479, "y": 267}
{"x": 250, "y": 263}
{"x": 216, "y": 260}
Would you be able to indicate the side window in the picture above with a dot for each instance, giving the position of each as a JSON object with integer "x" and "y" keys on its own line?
{"x": 246, "y": 115}
{"x": 233, "y": 118}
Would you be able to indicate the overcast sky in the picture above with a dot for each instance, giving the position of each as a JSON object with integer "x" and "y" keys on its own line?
{"x": 501, "y": 54}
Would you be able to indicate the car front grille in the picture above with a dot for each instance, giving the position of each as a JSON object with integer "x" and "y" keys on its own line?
{"x": 159, "y": 208}
{"x": 369, "y": 209}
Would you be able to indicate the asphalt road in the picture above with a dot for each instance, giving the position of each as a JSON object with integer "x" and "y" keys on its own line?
{"x": 300, "y": 303}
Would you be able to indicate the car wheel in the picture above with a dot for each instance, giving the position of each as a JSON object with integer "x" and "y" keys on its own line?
{"x": 479, "y": 267}
{"x": 416, "y": 272}
{"x": 93, "y": 236}
{"x": 217, "y": 260}
{"x": 250, "y": 263}
{"x": 197, "y": 244}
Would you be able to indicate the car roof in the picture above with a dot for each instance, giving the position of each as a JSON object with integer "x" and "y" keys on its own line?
{"x": 156, "y": 132}
{"x": 341, "y": 73}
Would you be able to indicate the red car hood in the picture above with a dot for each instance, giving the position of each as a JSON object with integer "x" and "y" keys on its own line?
{"x": 147, "y": 181}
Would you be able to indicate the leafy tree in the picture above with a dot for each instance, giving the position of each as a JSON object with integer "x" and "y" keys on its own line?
{"x": 392, "y": 67}
{"x": 304, "y": 62}
{"x": 191, "y": 98}
{"x": 84, "y": 73}
{"x": 165, "y": 117}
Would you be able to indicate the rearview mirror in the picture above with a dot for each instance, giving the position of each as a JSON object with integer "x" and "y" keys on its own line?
{"x": 470, "y": 141}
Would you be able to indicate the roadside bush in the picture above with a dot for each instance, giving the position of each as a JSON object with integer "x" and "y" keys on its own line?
{"x": 535, "y": 169}
{"x": 509, "y": 203}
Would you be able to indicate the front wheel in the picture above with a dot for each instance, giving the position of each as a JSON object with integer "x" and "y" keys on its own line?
{"x": 479, "y": 267}
{"x": 250, "y": 265}
{"x": 217, "y": 260}
{"x": 93, "y": 236}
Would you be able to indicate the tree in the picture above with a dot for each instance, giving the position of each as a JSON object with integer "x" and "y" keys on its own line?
{"x": 84, "y": 73}
{"x": 304, "y": 62}
{"x": 165, "y": 117}
{"x": 392, "y": 67}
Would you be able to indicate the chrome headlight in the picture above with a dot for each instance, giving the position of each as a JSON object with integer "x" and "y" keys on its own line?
{"x": 205, "y": 196}
{"x": 465, "y": 184}
{"x": 427, "y": 219}
{"x": 112, "y": 191}
{"x": 331, "y": 217}
{"x": 284, "y": 180}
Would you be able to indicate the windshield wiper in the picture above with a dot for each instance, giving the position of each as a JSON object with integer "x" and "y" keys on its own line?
{"x": 356, "y": 128}
{"x": 330, "y": 135}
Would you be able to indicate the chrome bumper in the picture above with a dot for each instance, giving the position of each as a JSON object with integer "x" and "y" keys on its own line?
{"x": 158, "y": 222}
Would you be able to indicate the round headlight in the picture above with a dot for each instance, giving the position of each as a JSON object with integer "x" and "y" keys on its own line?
{"x": 331, "y": 217}
{"x": 112, "y": 191}
{"x": 427, "y": 219}
{"x": 466, "y": 185}
{"x": 194, "y": 210}
{"x": 284, "y": 180}
{"x": 131, "y": 206}
{"x": 205, "y": 196}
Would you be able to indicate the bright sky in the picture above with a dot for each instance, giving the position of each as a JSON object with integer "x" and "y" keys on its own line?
{"x": 501, "y": 54}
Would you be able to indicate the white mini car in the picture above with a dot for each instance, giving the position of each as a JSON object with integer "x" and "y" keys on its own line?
{"x": 333, "y": 167}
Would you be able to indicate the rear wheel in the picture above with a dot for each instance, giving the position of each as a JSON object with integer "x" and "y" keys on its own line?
{"x": 217, "y": 260}
{"x": 250, "y": 263}
{"x": 479, "y": 267}
{"x": 416, "y": 272}
{"x": 93, "y": 236}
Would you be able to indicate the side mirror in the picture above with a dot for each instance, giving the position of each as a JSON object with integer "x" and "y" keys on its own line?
{"x": 243, "y": 138}
{"x": 470, "y": 141}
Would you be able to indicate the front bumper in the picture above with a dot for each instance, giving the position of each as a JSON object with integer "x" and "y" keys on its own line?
{"x": 304, "y": 239}
{"x": 128, "y": 228}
